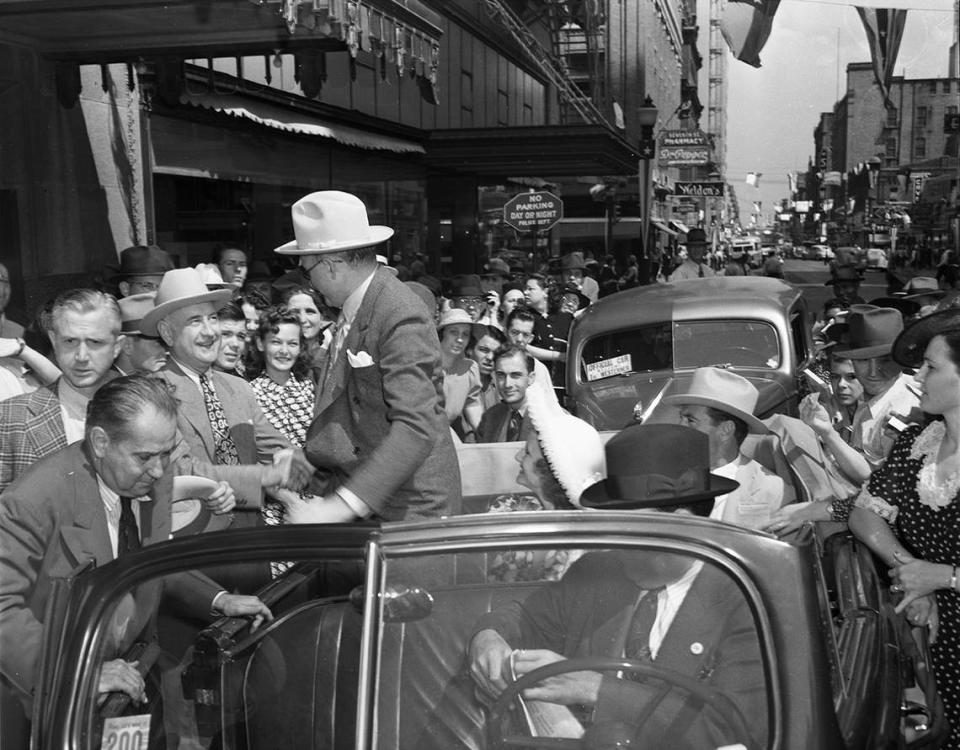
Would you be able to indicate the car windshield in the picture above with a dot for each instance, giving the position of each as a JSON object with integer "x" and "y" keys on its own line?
{"x": 681, "y": 345}
{"x": 473, "y": 623}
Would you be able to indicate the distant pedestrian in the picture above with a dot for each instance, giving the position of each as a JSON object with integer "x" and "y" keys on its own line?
{"x": 695, "y": 266}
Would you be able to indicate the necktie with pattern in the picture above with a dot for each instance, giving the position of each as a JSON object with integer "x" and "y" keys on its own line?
{"x": 128, "y": 533}
{"x": 513, "y": 426}
{"x": 637, "y": 646}
{"x": 339, "y": 333}
{"x": 225, "y": 448}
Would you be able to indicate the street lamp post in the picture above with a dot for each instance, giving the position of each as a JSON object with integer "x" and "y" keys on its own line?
{"x": 647, "y": 117}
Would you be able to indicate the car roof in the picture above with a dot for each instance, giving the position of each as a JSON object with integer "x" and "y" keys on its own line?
{"x": 755, "y": 297}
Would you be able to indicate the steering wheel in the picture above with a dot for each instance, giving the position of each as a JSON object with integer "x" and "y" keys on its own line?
{"x": 730, "y": 716}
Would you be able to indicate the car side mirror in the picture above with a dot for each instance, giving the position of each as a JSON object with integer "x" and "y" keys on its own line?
{"x": 400, "y": 603}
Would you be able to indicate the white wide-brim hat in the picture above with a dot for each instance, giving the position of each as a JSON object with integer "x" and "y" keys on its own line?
{"x": 724, "y": 391}
{"x": 179, "y": 288}
{"x": 329, "y": 221}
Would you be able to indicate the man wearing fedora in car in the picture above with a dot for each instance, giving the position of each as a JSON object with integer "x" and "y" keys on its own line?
{"x": 141, "y": 269}
{"x": 694, "y": 265}
{"x": 380, "y": 438}
{"x": 720, "y": 404}
{"x": 665, "y": 610}
{"x": 888, "y": 399}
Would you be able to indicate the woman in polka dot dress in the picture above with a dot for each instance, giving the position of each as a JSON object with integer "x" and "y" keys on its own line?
{"x": 909, "y": 511}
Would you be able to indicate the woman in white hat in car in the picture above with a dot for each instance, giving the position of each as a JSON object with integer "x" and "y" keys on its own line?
{"x": 462, "y": 387}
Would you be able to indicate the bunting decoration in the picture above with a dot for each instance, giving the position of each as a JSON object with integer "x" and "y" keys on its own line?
{"x": 753, "y": 178}
{"x": 884, "y": 29}
{"x": 746, "y": 25}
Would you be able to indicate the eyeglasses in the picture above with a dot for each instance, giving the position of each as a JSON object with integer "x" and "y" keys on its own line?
{"x": 328, "y": 262}
{"x": 522, "y": 335}
{"x": 467, "y": 301}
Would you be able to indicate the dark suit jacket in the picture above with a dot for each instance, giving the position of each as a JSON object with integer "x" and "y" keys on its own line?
{"x": 31, "y": 427}
{"x": 712, "y": 637}
{"x": 380, "y": 430}
{"x": 51, "y": 521}
{"x": 256, "y": 439}
{"x": 494, "y": 423}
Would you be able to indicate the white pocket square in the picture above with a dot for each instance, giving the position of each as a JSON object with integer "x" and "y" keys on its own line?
{"x": 360, "y": 359}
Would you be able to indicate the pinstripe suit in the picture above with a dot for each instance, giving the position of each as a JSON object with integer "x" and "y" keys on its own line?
{"x": 31, "y": 427}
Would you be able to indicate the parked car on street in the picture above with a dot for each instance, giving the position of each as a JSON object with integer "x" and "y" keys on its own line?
{"x": 876, "y": 258}
{"x": 821, "y": 252}
{"x": 380, "y": 665}
{"x": 629, "y": 350}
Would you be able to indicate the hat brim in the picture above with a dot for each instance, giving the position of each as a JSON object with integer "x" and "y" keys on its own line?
{"x": 754, "y": 425}
{"x": 865, "y": 352}
{"x": 930, "y": 293}
{"x": 148, "y": 324}
{"x": 376, "y": 234}
{"x": 909, "y": 346}
{"x": 598, "y": 497}
{"x": 477, "y": 330}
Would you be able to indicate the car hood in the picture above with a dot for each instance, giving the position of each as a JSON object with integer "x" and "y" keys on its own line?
{"x": 613, "y": 403}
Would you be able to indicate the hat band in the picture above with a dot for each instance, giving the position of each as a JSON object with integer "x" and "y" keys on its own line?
{"x": 130, "y": 326}
{"x": 658, "y": 486}
{"x": 321, "y": 244}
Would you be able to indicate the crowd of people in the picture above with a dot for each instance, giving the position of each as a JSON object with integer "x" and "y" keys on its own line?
{"x": 340, "y": 388}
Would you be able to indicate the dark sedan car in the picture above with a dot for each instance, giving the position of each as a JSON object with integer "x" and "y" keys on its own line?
{"x": 776, "y": 643}
{"x": 631, "y": 349}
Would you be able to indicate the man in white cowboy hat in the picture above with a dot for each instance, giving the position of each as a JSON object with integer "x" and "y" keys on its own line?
{"x": 720, "y": 404}
{"x": 888, "y": 399}
{"x": 220, "y": 419}
{"x": 139, "y": 353}
{"x": 380, "y": 436}
{"x": 668, "y": 611}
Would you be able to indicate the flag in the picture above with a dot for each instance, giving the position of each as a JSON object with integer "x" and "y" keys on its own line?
{"x": 745, "y": 26}
{"x": 753, "y": 178}
{"x": 792, "y": 182}
{"x": 884, "y": 32}
{"x": 757, "y": 205}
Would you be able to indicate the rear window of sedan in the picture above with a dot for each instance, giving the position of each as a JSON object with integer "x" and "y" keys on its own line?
{"x": 752, "y": 344}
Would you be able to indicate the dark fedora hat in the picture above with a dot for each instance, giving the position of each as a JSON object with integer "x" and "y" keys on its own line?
{"x": 844, "y": 274}
{"x": 582, "y": 299}
{"x": 466, "y": 285}
{"x": 696, "y": 236}
{"x": 656, "y": 466}
{"x": 910, "y": 345}
{"x": 141, "y": 260}
{"x": 871, "y": 333}
{"x": 572, "y": 262}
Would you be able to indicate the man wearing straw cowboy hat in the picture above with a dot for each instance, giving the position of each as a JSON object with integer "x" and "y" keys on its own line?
{"x": 379, "y": 438}
{"x": 720, "y": 404}
{"x": 219, "y": 416}
{"x": 665, "y": 609}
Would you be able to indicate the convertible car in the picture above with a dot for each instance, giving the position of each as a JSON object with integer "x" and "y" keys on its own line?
{"x": 778, "y": 643}
{"x": 632, "y": 348}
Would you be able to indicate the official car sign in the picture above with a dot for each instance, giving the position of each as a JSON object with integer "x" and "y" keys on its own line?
{"x": 533, "y": 212}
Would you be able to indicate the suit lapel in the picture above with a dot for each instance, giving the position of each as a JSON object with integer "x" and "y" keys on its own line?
{"x": 192, "y": 409}
{"x": 694, "y": 629}
{"x": 88, "y": 537}
{"x": 337, "y": 377}
{"x": 44, "y": 426}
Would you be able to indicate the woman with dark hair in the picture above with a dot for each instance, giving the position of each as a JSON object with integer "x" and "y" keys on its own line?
{"x": 316, "y": 323}
{"x": 280, "y": 367}
{"x": 909, "y": 511}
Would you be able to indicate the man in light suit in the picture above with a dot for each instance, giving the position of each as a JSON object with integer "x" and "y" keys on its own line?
{"x": 184, "y": 316}
{"x": 379, "y": 437}
{"x": 86, "y": 338}
{"x": 68, "y": 510}
{"x": 509, "y": 420}
{"x": 670, "y": 610}
{"x": 720, "y": 404}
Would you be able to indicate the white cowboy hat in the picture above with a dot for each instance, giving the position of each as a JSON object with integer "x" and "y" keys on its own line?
{"x": 179, "y": 288}
{"x": 724, "y": 391}
{"x": 330, "y": 221}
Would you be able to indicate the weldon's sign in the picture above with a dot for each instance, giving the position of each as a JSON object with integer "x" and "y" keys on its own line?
{"x": 683, "y": 148}
{"x": 699, "y": 189}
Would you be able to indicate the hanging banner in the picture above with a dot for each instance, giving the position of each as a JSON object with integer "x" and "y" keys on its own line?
{"x": 884, "y": 31}
{"x": 746, "y": 25}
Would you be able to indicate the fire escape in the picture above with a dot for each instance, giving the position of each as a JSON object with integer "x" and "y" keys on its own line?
{"x": 574, "y": 63}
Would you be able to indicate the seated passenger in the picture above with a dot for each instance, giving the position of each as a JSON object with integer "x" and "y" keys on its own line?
{"x": 509, "y": 421}
{"x": 668, "y": 610}
{"x": 720, "y": 404}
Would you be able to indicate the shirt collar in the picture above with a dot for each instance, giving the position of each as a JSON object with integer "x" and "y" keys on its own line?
{"x": 352, "y": 303}
{"x": 72, "y": 400}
